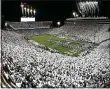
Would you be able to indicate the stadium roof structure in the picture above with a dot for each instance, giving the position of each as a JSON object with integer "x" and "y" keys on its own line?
{"x": 89, "y": 19}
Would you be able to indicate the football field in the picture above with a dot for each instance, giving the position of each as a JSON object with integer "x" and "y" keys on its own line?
{"x": 62, "y": 45}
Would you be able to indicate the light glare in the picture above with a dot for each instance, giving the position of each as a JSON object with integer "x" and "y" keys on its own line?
{"x": 58, "y": 23}
{"x": 27, "y": 19}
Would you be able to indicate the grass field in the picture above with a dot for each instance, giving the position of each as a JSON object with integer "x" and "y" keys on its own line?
{"x": 56, "y": 43}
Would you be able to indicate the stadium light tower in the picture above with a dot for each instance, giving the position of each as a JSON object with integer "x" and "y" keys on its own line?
{"x": 22, "y": 6}
{"x": 34, "y": 11}
{"x": 25, "y": 11}
{"x": 31, "y": 11}
{"x": 28, "y": 11}
{"x": 88, "y": 8}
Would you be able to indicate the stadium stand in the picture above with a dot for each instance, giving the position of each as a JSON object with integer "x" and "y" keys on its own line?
{"x": 30, "y": 25}
{"x": 33, "y": 67}
{"x": 88, "y": 31}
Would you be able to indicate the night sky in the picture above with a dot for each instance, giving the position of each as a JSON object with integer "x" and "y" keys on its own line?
{"x": 47, "y": 10}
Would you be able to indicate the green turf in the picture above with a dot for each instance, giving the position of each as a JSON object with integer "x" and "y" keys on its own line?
{"x": 44, "y": 40}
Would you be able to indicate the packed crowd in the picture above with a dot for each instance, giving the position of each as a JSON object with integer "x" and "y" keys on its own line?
{"x": 31, "y": 66}
{"x": 82, "y": 30}
{"x": 30, "y": 25}
{"x": 87, "y": 31}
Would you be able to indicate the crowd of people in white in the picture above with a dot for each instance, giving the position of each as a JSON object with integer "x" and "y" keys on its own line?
{"x": 82, "y": 30}
{"x": 31, "y": 66}
{"x": 89, "y": 31}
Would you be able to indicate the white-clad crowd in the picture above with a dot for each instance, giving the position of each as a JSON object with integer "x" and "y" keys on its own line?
{"x": 31, "y": 66}
{"x": 89, "y": 31}
{"x": 82, "y": 30}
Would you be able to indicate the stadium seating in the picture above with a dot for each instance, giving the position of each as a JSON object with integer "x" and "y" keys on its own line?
{"x": 34, "y": 67}
{"x": 30, "y": 25}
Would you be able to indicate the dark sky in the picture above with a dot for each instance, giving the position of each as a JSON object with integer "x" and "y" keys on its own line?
{"x": 47, "y": 10}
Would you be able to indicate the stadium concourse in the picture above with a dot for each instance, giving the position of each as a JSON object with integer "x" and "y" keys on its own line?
{"x": 26, "y": 65}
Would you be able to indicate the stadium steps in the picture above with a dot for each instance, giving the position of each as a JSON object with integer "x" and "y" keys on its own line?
{"x": 6, "y": 81}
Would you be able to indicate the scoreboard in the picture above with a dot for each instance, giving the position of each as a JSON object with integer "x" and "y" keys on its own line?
{"x": 27, "y": 19}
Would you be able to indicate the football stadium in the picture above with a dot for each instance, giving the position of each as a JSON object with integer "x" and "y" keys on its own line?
{"x": 69, "y": 51}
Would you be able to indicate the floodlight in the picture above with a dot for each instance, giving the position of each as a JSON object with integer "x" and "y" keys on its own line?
{"x": 88, "y": 7}
{"x": 22, "y": 5}
{"x": 5, "y": 24}
{"x": 74, "y": 13}
{"x": 30, "y": 10}
{"x": 58, "y": 23}
{"x": 25, "y": 8}
{"x": 34, "y": 11}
